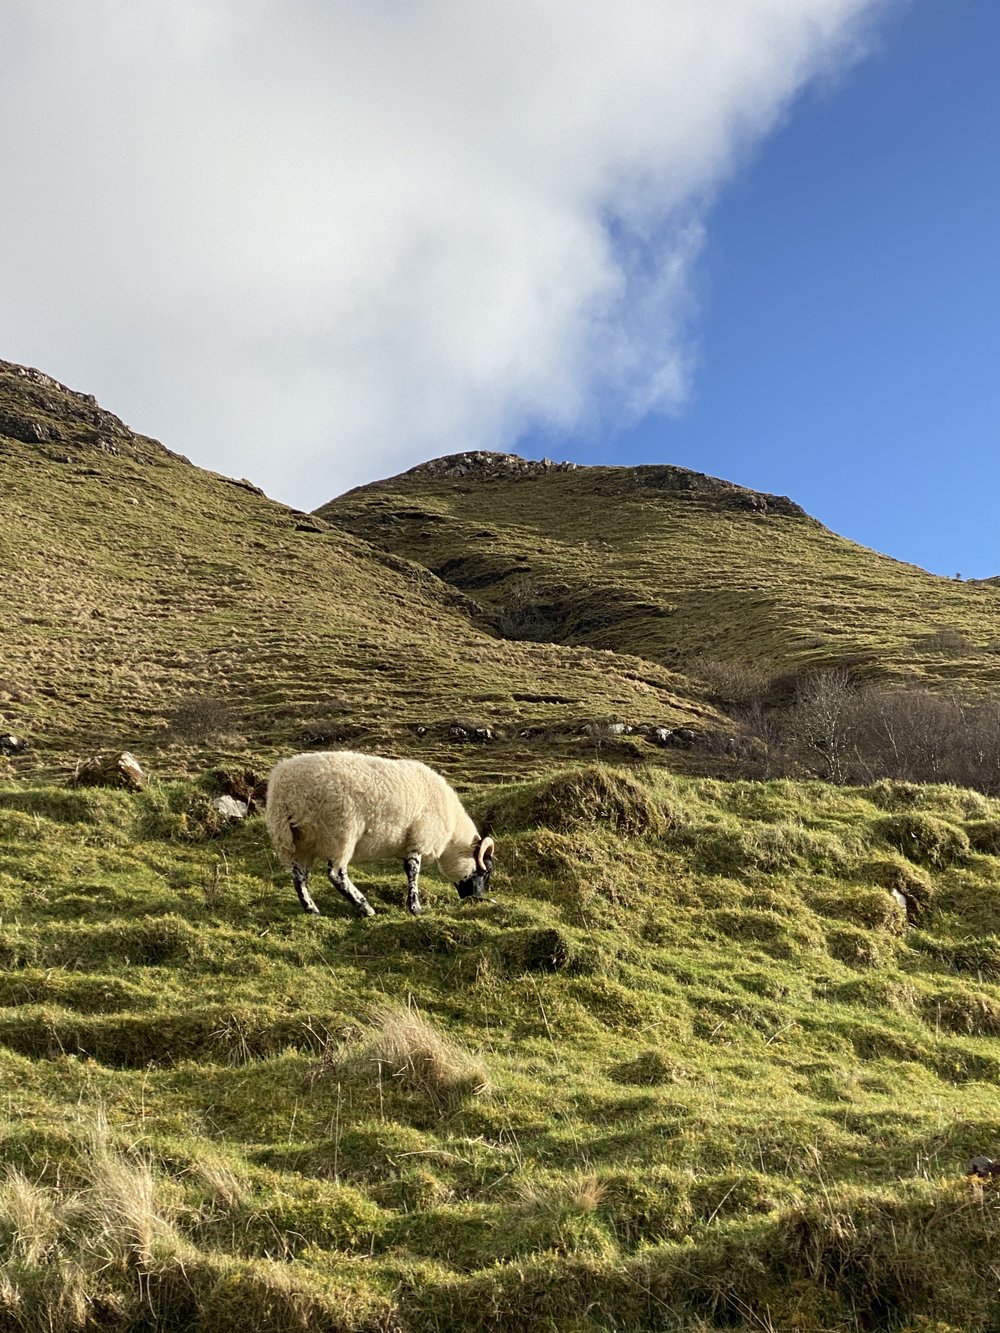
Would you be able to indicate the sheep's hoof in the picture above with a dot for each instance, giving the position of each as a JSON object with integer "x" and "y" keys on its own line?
{"x": 366, "y": 909}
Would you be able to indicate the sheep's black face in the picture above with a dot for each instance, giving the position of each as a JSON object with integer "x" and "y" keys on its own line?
{"x": 477, "y": 883}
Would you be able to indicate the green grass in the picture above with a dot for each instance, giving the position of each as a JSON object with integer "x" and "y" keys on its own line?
{"x": 649, "y": 1086}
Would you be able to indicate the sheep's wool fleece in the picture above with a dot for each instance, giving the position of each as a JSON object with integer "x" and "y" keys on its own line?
{"x": 347, "y": 807}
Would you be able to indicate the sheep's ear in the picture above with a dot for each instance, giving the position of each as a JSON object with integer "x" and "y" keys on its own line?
{"x": 484, "y": 854}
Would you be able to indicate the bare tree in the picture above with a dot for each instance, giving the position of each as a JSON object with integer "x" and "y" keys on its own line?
{"x": 822, "y": 721}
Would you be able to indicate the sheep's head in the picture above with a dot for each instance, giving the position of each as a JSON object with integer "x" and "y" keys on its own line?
{"x": 476, "y": 884}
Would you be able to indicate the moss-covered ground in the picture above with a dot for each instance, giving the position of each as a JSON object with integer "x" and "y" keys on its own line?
{"x": 697, "y": 1066}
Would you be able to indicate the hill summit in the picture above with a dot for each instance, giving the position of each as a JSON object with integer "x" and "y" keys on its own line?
{"x": 672, "y": 565}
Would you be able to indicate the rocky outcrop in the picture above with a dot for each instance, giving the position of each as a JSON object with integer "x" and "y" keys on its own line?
{"x": 485, "y": 465}
{"x": 36, "y": 409}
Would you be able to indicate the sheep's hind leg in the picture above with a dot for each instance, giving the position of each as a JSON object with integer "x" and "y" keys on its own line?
{"x": 342, "y": 883}
{"x": 412, "y": 867}
{"x": 300, "y": 878}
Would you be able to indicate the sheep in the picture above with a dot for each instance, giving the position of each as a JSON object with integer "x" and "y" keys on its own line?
{"x": 346, "y": 807}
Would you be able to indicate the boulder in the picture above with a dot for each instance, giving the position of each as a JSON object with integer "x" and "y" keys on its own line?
{"x": 12, "y": 744}
{"x": 110, "y": 770}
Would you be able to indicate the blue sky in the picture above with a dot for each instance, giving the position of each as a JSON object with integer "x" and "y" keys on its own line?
{"x": 848, "y": 312}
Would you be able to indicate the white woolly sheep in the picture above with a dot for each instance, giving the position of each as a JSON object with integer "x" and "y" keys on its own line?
{"x": 349, "y": 807}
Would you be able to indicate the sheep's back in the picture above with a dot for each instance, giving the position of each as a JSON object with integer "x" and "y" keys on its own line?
{"x": 350, "y": 806}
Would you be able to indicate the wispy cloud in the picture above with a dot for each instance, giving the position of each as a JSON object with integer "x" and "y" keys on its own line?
{"x": 312, "y": 244}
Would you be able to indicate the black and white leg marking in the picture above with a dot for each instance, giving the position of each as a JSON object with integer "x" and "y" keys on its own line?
{"x": 342, "y": 883}
{"x": 412, "y": 867}
{"x": 300, "y": 878}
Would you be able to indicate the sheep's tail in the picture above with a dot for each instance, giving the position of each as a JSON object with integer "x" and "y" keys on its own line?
{"x": 285, "y": 833}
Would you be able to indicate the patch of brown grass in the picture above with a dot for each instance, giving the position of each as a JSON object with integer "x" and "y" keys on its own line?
{"x": 402, "y": 1045}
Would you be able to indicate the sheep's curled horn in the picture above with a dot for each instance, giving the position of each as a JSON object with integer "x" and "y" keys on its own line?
{"x": 484, "y": 850}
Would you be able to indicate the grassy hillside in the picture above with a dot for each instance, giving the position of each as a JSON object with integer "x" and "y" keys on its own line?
{"x": 149, "y": 604}
{"x": 717, "y": 1055}
{"x": 692, "y": 1070}
{"x": 675, "y": 566}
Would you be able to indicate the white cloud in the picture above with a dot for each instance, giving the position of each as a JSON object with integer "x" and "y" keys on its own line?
{"x": 314, "y": 243}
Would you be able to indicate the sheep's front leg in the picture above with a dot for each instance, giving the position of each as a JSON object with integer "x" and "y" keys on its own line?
{"x": 300, "y": 878}
{"x": 341, "y": 882}
{"x": 412, "y": 867}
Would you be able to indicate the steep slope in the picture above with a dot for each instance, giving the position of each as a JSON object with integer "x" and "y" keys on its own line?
{"x": 672, "y": 565}
{"x": 150, "y": 604}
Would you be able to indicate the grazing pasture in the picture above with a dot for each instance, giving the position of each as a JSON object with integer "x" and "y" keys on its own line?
{"x": 693, "y": 1068}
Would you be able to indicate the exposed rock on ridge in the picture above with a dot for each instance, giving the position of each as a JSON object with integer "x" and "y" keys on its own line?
{"x": 487, "y": 465}
{"x": 36, "y": 409}
{"x": 484, "y": 465}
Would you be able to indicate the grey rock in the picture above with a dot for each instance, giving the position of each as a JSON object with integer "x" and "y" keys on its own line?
{"x": 229, "y": 807}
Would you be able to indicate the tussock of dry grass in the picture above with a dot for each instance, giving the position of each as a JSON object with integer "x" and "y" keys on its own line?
{"x": 401, "y": 1045}
{"x": 577, "y": 1194}
{"x": 223, "y": 1185}
{"x": 32, "y": 1218}
{"x": 126, "y": 1222}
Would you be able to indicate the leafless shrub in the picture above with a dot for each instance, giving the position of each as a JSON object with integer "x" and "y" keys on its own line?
{"x": 849, "y": 731}
{"x": 822, "y": 722}
{"x": 761, "y": 746}
{"x": 734, "y": 684}
{"x": 220, "y": 1181}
